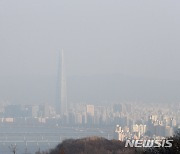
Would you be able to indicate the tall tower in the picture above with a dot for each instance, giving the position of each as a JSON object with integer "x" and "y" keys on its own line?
{"x": 61, "y": 104}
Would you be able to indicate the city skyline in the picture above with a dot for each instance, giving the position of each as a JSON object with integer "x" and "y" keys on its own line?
{"x": 80, "y": 71}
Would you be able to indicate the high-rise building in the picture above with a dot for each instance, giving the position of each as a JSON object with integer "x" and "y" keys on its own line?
{"x": 90, "y": 110}
{"x": 61, "y": 104}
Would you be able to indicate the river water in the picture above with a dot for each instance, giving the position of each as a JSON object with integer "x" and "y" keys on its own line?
{"x": 29, "y": 140}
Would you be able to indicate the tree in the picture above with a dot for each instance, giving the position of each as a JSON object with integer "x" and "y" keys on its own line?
{"x": 13, "y": 148}
{"x": 175, "y": 149}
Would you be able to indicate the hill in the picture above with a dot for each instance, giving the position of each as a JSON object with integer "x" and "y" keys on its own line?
{"x": 91, "y": 145}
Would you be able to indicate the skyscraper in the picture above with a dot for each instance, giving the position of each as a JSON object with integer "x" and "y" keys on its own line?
{"x": 61, "y": 104}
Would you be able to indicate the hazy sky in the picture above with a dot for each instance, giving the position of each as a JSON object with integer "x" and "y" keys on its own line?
{"x": 136, "y": 38}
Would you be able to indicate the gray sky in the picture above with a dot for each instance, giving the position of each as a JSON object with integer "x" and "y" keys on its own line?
{"x": 99, "y": 37}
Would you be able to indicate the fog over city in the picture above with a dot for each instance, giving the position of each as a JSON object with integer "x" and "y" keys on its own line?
{"x": 97, "y": 76}
{"x": 114, "y": 50}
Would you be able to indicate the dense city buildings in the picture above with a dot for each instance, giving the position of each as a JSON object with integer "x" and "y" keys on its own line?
{"x": 130, "y": 120}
